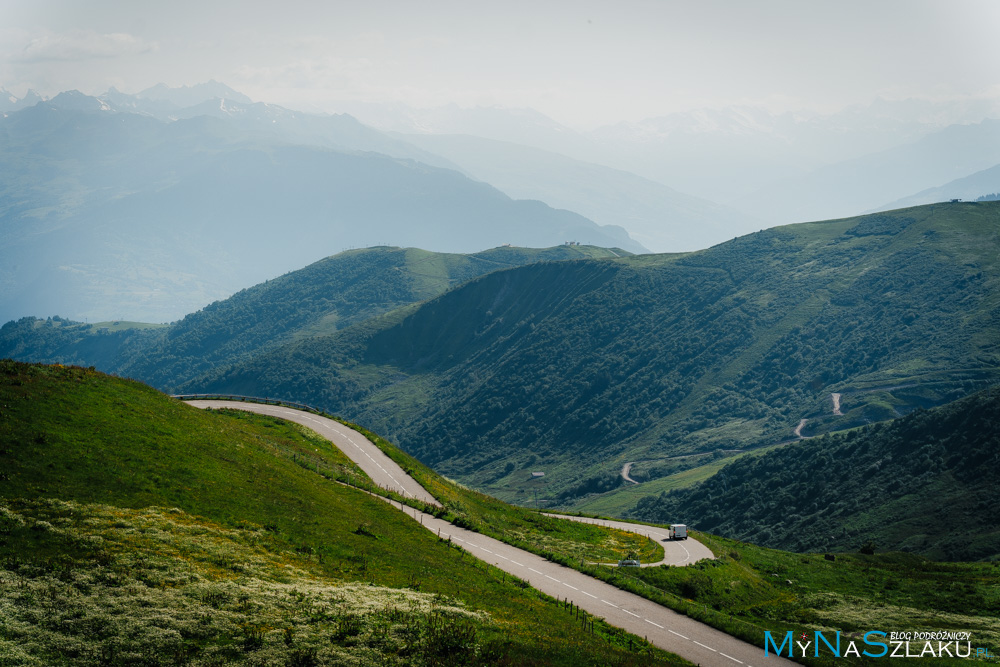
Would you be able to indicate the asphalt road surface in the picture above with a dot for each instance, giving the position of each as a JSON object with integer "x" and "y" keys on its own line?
{"x": 380, "y": 468}
{"x": 675, "y": 552}
{"x": 663, "y": 627}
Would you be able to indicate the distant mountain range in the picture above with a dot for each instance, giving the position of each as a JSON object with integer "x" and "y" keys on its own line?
{"x": 655, "y": 215}
{"x": 125, "y": 206}
{"x": 969, "y": 188}
{"x": 109, "y": 213}
{"x": 868, "y": 182}
{"x": 745, "y": 157}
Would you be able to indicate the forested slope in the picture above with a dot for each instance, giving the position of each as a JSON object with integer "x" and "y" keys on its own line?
{"x": 323, "y": 297}
{"x": 574, "y": 368}
{"x": 926, "y": 483}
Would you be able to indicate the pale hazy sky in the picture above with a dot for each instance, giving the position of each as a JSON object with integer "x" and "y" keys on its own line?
{"x": 583, "y": 63}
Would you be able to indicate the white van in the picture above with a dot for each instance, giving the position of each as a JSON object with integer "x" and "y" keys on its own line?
{"x": 678, "y": 531}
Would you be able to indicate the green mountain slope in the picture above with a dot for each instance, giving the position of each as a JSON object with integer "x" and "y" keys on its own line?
{"x": 925, "y": 483}
{"x": 138, "y": 530}
{"x": 321, "y": 298}
{"x": 575, "y": 368}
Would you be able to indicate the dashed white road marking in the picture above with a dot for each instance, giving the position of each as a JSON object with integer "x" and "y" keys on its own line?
{"x": 679, "y": 634}
{"x": 534, "y": 570}
{"x": 516, "y": 563}
{"x": 573, "y": 587}
{"x": 651, "y": 623}
{"x": 703, "y": 646}
{"x": 610, "y": 603}
{"x": 629, "y": 612}
{"x": 730, "y": 657}
{"x": 553, "y": 579}
{"x": 586, "y": 593}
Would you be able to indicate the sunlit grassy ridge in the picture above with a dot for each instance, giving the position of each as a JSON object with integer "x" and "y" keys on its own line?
{"x": 87, "y": 456}
{"x": 318, "y": 299}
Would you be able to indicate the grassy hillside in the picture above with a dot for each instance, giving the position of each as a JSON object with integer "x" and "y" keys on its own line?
{"x": 138, "y": 530}
{"x": 575, "y": 368}
{"x": 321, "y": 298}
{"x": 623, "y": 498}
{"x": 749, "y": 589}
{"x": 926, "y": 483}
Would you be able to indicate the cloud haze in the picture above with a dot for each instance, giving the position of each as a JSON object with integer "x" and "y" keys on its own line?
{"x": 76, "y": 45}
{"x": 583, "y": 63}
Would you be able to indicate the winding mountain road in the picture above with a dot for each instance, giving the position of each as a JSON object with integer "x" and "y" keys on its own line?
{"x": 675, "y": 552}
{"x": 663, "y": 627}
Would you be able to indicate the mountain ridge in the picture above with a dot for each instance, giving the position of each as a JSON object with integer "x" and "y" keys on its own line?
{"x": 112, "y": 213}
{"x": 584, "y": 366}
{"x": 659, "y": 217}
{"x": 323, "y": 297}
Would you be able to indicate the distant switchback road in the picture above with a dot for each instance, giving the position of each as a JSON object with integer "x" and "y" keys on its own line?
{"x": 663, "y": 627}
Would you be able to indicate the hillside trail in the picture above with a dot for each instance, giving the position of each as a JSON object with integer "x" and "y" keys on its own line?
{"x": 836, "y": 405}
{"x": 798, "y": 429}
{"x": 625, "y": 471}
{"x": 627, "y": 468}
{"x": 662, "y": 627}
